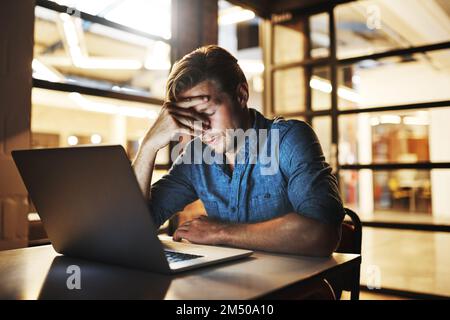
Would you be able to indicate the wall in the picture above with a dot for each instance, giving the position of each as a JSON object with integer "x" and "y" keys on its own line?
{"x": 16, "y": 53}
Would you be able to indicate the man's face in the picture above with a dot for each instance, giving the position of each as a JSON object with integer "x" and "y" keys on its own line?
{"x": 223, "y": 113}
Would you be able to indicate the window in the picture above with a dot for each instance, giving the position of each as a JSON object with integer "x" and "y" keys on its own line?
{"x": 99, "y": 71}
{"x": 238, "y": 30}
{"x": 396, "y": 80}
{"x": 288, "y": 90}
{"x": 367, "y": 27}
{"x": 374, "y": 86}
{"x": 71, "y": 50}
{"x": 289, "y": 42}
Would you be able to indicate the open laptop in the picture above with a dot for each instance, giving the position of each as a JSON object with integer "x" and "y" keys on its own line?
{"x": 92, "y": 207}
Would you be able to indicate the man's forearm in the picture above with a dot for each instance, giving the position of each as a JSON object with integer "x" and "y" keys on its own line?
{"x": 143, "y": 165}
{"x": 290, "y": 233}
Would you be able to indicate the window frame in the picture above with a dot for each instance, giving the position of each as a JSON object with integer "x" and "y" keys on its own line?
{"x": 333, "y": 62}
{"x": 70, "y": 87}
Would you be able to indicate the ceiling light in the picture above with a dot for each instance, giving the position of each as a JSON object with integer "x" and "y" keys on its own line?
{"x": 325, "y": 86}
{"x": 82, "y": 60}
{"x": 390, "y": 119}
{"x": 235, "y": 15}
{"x": 109, "y": 108}
{"x": 96, "y": 138}
{"x": 251, "y": 66}
{"x": 72, "y": 140}
{"x": 41, "y": 71}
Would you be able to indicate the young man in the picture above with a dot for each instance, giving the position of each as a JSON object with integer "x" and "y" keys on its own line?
{"x": 291, "y": 207}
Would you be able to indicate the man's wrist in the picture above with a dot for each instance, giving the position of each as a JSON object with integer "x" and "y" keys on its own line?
{"x": 226, "y": 233}
{"x": 149, "y": 146}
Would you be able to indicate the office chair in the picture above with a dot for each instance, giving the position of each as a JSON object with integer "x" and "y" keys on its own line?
{"x": 351, "y": 239}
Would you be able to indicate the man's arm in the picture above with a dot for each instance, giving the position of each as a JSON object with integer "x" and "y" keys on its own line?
{"x": 291, "y": 233}
{"x": 143, "y": 165}
{"x": 172, "y": 119}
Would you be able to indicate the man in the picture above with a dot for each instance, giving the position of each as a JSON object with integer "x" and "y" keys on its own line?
{"x": 295, "y": 208}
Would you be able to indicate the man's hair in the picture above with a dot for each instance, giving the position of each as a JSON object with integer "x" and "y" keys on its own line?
{"x": 206, "y": 63}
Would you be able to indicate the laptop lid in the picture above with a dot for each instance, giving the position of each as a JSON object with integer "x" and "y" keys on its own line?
{"x": 91, "y": 205}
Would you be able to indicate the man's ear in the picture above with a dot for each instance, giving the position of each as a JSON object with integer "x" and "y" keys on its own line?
{"x": 242, "y": 94}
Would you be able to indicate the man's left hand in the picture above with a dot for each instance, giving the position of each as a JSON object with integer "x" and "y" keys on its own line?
{"x": 201, "y": 230}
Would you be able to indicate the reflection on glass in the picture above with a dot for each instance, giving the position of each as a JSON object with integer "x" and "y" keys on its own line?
{"x": 397, "y": 80}
{"x": 395, "y": 137}
{"x": 70, "y": 50}
{"x": 366, "y": 27}
{"x": 320, "y": 35}
{"x": 289, "y": 88}
{"x": 288, "y": 42}
{"x": 322, "y": 128}
{"x": 398, "y": 191}
{"x": 321, "y": 87}
{"x": 61, "y": 119}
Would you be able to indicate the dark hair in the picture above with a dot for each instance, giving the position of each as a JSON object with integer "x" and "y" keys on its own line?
{"x": 206, "y": 63}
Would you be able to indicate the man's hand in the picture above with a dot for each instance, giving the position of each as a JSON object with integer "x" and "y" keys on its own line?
{"x": 179, "y": 117}
{"x": 173, "y": 119}
{"x": 201, "y": 230}
{"x": 291, "y": 233}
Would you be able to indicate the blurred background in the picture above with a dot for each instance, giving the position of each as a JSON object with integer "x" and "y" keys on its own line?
{"x": 372, "y": 77}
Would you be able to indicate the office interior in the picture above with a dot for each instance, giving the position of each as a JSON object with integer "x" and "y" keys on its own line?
{"x": 371, "y": 77}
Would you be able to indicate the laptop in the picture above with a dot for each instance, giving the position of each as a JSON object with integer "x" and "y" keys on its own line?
{"x": 92, "y": 207}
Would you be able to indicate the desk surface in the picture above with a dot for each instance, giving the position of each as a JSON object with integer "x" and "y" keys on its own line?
{"x": 40, "y": 273}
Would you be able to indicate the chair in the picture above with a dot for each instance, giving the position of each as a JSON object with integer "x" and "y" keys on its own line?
{"x": 351, "y": 239}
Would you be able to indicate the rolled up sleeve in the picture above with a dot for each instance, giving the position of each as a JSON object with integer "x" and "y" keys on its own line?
{"x": 312, "y": 188}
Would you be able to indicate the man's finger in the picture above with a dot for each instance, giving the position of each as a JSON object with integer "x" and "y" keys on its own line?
{"x": 183, "y": 227}
{"x": 176, "y": 236}
{"x": 191, "y": 123}
{"x": 186, "y": 223}
{"x": 188, "y": 112}
{"x": 179, "y": 235}
{"x": 192, "y": 101}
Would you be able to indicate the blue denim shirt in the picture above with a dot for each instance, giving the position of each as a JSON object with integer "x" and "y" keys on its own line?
{"x": 303, "y": 182}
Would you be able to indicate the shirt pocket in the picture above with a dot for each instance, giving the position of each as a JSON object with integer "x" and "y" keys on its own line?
{"x": 267, "y": 205}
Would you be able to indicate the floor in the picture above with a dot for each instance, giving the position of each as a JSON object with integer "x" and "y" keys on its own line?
{"x": 406, "y": 218}
{"x": 372, "y": 296}
{"x": 417, "y": 261}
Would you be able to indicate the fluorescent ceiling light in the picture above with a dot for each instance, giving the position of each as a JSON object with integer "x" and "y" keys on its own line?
{"x": 390, "y": 119}
{"x": 234, "y": 15}
{"x": 325, "y": 86}
{"x": 82, "y": 60}
{"x": 41, "y": 71}
{"x": 251, "y": 66}
{"x": 110, "y": 64}
{"x": 415, "y": 121}
{"x": 348, "y": 94}
{"x": 109, "y": 108}
{"x": 320, "y": 84}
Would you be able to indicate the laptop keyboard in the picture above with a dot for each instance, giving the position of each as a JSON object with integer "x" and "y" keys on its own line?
{"x": 173, "y": 256}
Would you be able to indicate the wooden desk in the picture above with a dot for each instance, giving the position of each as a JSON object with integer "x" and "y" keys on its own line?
{"x": 40, "y": 273}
